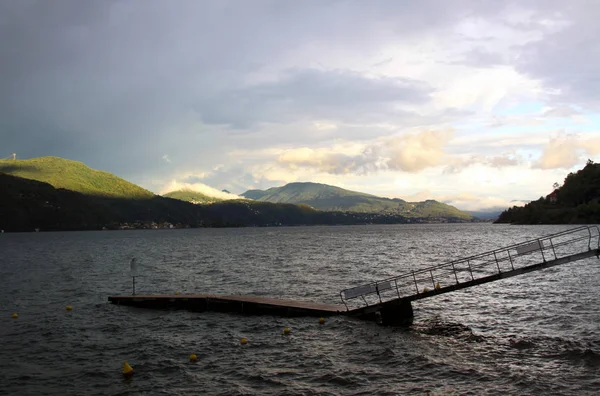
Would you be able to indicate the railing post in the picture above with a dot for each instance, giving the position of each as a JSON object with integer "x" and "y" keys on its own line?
{"x": 342, "y": 298}
{"x": 415, "y": 278}
{"x": 510, "y": 258}
{"x": 377, "y": 291}
{"x": 542, "y": 249}
{"x": 364, "y": 299}
{"x": 455, "y": 276}
{"x": 397, "y": 290}
{"x": 497, "y": 263}
{"x": 470, "y": 270}
{"x": 553, "y": 251}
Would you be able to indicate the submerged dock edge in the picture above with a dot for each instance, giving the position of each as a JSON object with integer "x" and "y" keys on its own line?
{"x": 250, "y": 305}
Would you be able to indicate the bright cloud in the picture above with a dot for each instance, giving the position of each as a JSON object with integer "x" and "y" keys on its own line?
{"x": 197, "y": 187}
{"x": 567, "y": 151}
{"x": 415, "y": 152}
{"x": 409, "y": 152}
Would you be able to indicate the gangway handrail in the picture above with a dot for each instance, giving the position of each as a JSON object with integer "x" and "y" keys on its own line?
{"x": 528, "y": 247}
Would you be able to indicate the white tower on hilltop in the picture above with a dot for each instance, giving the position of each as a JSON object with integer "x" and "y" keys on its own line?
{"x": 14, "y": 156}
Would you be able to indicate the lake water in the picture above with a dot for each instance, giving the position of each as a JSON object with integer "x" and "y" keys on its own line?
{"x": 533, "y": 334}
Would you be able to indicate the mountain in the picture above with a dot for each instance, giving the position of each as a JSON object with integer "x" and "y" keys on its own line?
{"x": 51, "y": 193}
{"x": 73, "y": 176}
{"x": 486, "y": 214}
{"x": 27, "y": 204}
{"x": 576, "y": 202}
{"x": 191, "y": 196}
{"x": 331, "y": 198}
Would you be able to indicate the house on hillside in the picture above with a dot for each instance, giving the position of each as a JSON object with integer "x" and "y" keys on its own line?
{"x": 552, "y": 197}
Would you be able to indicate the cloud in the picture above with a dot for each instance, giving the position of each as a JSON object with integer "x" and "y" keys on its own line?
{"x": 415, "y": 152}
{"x": 591, "y": 146}
{"x": 479, "y": 202}
{"x": 483, "y": 58}
{"x": 329, "y": 161}
{"x": 410, "y": 152}
{"x": 250, "y": 85}
{"x": 485, "y": 89}
{"x": 311, "y": 94}
{"x": 458, "y": 164}
{"x": 174, "y": 185}
{"x": 465, "y": 201}
{"x": 566, "y": 151}
{"x": 566, "y": 58}
{"x": 561, "y": 112}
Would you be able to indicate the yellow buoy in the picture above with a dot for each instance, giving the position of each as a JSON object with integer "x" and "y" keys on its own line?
{"x": 69, "y": 308}
{"x": 127, "y": 369}
{"x": 193, "y": 357}
{"x": 176, "y": 293}
{"x": 321, "y": 320}
{"x": 15, "y": 316}
{"x": 244, "y": 341}
{"x": 437, "y": 286}
{"x": 286, "y": 331}
{"x": 425, "y": 290}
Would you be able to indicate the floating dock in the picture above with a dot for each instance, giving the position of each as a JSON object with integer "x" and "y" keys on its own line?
{"x": 252, "y": 305}
{"x": 389, "y": 300}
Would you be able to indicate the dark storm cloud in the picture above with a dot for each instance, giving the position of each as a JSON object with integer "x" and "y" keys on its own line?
{"x": 93, "y": 80}
{"x": 315, "y": 94}
{"x": 111, "y": 82}
{"x": 568, "y": 58}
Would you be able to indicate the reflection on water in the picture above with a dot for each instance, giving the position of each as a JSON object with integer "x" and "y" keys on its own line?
{"x": 537, "y": 333}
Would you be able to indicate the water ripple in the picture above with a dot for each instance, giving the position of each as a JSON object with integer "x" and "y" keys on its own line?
{"x": 536, "y": 334}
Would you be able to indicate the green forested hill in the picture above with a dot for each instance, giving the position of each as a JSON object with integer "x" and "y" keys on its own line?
{"x": 191, "y": 196}
{"x": 52, "y": 193}
{"x": 326, "y": 197}
{"x": 27, "y": 204}
{"x": 73, "y": 176}
{"x": 576, "y": 202}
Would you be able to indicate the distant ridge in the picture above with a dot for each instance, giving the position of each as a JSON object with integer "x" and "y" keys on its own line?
{"x": 331, "y": 198}
{"x": 51, "y": 193}
{"x": 73, "y": 176}
{"x": 28, "y": 205}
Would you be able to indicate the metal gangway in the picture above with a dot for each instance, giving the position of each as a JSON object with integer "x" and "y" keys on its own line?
{"x": 536, "y": 254}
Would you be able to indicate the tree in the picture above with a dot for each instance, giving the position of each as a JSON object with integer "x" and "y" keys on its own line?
{"x": 556, "y": 186}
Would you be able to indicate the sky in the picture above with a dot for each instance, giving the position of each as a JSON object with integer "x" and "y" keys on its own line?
{"x": 478, "y": 104}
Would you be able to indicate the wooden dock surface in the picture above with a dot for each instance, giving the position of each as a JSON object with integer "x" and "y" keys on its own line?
{"x": 242, "y": 304}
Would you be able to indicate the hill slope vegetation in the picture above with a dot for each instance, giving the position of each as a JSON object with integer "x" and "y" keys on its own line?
{"x": 576, "y": 202}
{"x": 27, "y": 204}
{"x": 51, "y": 193}
{"x": 74, "y": 176}
{"x": 331, "y": 198}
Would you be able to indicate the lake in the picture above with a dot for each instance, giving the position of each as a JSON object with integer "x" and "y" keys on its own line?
{"x": 537, "y": 333}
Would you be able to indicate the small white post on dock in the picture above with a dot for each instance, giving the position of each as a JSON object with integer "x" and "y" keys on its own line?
{"x": 133, "y": 270}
